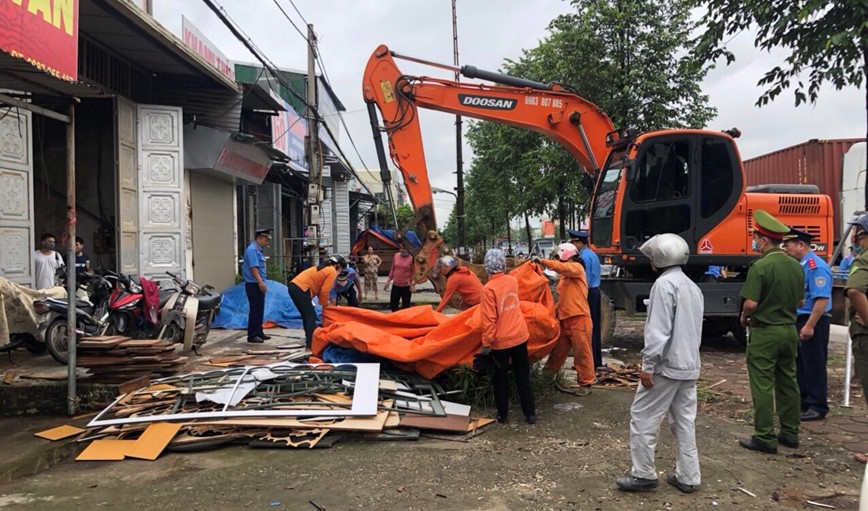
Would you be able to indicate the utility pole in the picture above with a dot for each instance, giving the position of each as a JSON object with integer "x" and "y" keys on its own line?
{"x": 314, "y": 191}
{"x": 459, "y": 163}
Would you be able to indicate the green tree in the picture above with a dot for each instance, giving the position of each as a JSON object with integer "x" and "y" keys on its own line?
{"x": 630, "y": 58}
{"x": 827, "y": 42}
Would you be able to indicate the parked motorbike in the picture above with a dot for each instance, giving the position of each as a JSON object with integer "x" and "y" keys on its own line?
{"x": 186, "y": 317}
{"x": 91, "y": 312}
{"x": 129, "y": 314}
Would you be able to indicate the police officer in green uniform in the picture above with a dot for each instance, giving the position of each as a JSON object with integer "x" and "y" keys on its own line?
{"x": 773, "y": 289}
{"x": 857, "y": 287}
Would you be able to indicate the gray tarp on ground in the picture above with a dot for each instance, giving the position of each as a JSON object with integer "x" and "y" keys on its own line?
{"x": 16, "y": 307}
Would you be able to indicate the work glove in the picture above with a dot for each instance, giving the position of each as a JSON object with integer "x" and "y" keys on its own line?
{"x": 483, "y": 362}
{"x": 538, "y": 260}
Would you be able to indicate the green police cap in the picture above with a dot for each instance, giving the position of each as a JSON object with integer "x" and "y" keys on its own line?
{"x": 769, "y": 226}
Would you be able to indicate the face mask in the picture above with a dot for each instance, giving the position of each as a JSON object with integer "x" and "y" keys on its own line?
{"x": 754, "y": 245}
{"x": 857, "y": 249}
{"x": 48, "y": 245}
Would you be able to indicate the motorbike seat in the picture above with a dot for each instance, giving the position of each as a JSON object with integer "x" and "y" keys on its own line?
{"x": 165, "y": 296}
{"x": 211, "y": 301}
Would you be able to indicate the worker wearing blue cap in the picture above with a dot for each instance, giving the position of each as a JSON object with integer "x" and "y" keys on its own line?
{"x": 592, "y": 270}
{"x": 773, "y": 289}
{"x": 253, "y": 273}
{"x": 812, "y": 324}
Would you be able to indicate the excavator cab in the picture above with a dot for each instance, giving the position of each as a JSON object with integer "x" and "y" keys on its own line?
{"x": 685, "y": 182}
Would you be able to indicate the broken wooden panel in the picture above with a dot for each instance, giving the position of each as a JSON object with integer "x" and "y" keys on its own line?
{"x": 106, "y": 450}
{"x": 153, "y": 441}
{"x": 60, "y": 432}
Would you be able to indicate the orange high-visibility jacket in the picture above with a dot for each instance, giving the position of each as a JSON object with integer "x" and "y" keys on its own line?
{"x": 572, "y": 288}
{"x": 503, "y": 324}
{"x": 317, "y": 282}
{"x": 465, "y": 283}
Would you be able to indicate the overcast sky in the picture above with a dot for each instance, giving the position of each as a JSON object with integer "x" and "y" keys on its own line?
{"x": 488, "y": 32}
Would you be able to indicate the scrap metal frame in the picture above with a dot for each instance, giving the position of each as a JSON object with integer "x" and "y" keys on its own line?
{"x": 364, "y": 403}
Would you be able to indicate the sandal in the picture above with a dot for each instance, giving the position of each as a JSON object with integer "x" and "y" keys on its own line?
{"x": 861, "y": 457}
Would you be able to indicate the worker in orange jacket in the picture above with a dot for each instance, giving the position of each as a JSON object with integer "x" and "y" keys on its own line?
{"x": 504, "y": 336}
{"x": 459, "y": 279}
{"x": 314, "y": 281}
{"x": 574, "y": 314}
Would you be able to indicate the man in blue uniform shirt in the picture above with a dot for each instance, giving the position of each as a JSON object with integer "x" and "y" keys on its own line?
{"x": 812, "y": 325}
{"x": 253, "y": 272}
{"x": 592, "y": 270}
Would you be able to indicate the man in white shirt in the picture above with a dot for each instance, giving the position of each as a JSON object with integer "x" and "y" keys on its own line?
{"x": 46, "y": 261}
{"x": 670, "y": 368}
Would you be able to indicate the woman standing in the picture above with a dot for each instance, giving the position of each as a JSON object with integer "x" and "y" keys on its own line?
{"x": 314, "y": 281}
{"x": 372, "y": 266}
{"x": 401, "y": 275}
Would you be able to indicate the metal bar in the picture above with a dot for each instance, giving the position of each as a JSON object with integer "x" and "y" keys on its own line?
{"x": 447, "y": 67}
{"x": 51, "y": 114}
{"x": 848, "y": 367}
{"x": 71, "y": 390}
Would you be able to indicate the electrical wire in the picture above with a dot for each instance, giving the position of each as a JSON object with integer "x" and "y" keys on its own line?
{"x": 285, "y": 15}
{"x": 242, "y": 37}
{"x": 298, "y": 12}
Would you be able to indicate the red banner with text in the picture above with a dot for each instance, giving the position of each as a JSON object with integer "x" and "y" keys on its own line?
{"x": 42, "y": 32}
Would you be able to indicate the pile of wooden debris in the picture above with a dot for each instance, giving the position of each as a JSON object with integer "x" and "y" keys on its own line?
{"x": 277, "y": 405}
{"x": 619, "y": 375}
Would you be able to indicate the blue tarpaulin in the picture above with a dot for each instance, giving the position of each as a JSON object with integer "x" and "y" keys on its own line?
{"x": 388, "y": 235}
{"x": 279, "y": 308}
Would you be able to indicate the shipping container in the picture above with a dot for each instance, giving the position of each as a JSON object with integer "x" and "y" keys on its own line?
{"x": 815, "y": 162}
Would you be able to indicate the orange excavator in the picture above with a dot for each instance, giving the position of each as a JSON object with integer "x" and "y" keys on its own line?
{"x": 684, "y": 181}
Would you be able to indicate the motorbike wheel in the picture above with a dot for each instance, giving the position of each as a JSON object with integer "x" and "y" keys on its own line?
{"x": 57, "y": 340}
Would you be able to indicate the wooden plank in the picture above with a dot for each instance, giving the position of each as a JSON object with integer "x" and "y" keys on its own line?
{"x": 144, "y": 343}
{"x": 9, "y": 377}
{"x": 133, "y": 385}
{"x": 102, "y": 361}
{"x": 106, "y": 450}
{"x": 150, "y": 445}
{"x": 455, "y": 423}
{"x": 59, "y": 433}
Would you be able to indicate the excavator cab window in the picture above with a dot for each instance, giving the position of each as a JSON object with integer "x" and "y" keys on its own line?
{"x": 604, "y": 203}
{"x": 660, "y": 193}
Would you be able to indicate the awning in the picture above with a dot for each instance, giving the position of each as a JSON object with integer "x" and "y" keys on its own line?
{"x": 258, "y": 99}
{"x": 231, "y": 155}
{"x": 127, "y": 32}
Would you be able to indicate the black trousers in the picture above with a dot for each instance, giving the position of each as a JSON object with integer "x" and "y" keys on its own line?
{"x": 303, "y": 303}
{"x": 521, "y": 368}
{"x": 594, "y": 297}
{"x": 811, "y": 366}
{"x": 351, "y": 296}
{"x": 401, "y": 293}
{"x": 256, "y": 300}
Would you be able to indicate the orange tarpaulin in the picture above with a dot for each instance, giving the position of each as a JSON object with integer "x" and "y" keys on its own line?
{"x": 422, "y": 340}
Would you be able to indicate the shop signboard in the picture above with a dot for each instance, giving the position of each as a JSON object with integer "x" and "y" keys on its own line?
{"x": 203, "y": 47}
{"x": 43, "y": 33}
{"x": 287, "y": 133}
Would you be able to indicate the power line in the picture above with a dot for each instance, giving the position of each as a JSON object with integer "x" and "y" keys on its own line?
{"x": 299, "y": 12}
{"x": 274, "y": 71}
{"x": 285, "y": 15}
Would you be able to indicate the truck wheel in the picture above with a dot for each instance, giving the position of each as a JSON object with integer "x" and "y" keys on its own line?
{"x": 57, "y": 340}
{"x": 607, "y": 318}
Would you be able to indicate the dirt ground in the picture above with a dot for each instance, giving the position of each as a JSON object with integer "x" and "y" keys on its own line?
{"x": 568, "y": 460}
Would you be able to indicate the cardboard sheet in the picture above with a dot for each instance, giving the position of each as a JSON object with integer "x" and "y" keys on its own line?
{"x": 106, "y": 450}
{"x": 59, "y": 433}
{"x": 153, "y": 441}
{"x": 454, "y": 423}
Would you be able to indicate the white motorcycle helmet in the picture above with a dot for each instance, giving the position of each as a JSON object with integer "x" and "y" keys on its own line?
{"x": 446, "y": 264}
{"x": 566, "y": 251}
{"x": 665, "y": 250}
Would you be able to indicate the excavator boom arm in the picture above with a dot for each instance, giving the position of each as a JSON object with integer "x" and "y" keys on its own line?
{"x": 575, "y": 123}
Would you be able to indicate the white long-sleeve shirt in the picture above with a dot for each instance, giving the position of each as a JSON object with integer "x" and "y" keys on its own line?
{"x": 673, "y": 328}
